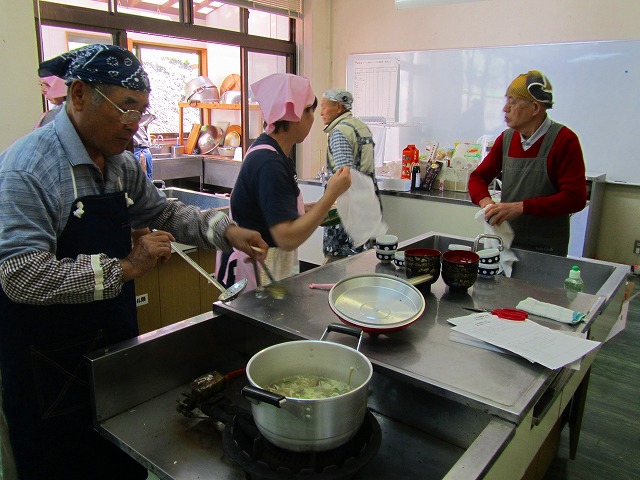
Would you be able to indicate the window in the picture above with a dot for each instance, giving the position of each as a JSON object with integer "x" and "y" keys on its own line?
{"x": 268, "y": 25}
{"x": 169, "y": 69}
{"x": 181, "y": 49}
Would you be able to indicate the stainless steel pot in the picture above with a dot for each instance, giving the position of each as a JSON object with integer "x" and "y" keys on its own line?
{"x": 316, "y": 424}
{"x": 201, "y": 89}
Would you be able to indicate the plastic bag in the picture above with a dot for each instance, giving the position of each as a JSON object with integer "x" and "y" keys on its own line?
{"x": 359, "y": 210}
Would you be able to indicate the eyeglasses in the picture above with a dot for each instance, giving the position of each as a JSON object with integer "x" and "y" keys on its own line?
{"x": 128, "y": 117}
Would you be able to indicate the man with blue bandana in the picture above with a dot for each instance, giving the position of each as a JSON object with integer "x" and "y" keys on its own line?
{"x": 70, "y": 197}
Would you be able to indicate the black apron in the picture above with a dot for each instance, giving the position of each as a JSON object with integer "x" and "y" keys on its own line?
{"x": 45, "y": 387}
{"x": 526, "y": 178}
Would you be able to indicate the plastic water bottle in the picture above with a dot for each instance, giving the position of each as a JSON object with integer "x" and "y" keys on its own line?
{"x": 574, "y": 283}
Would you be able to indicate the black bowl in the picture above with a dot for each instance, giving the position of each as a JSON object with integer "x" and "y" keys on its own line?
{"x": 422, "y": 261}
{"x": 460, "y": 269}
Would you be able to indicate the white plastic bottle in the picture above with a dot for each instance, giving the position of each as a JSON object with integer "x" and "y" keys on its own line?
{"x": 573, "y": 282}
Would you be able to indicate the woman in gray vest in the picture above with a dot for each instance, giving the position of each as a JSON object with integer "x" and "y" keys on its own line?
{"x": 542, "y": 168}
{"x": 350, "y": 145}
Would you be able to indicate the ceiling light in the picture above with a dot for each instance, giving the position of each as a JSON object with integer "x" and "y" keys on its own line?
{"x": 429, "y": 3}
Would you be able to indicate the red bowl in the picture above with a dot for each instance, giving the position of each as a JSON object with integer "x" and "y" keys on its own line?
{"x": 460, "y": 256}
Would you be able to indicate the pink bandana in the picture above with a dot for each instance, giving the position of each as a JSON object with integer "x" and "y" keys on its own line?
{"x": 57, "y": 87}
{"x": 282, "y": 96}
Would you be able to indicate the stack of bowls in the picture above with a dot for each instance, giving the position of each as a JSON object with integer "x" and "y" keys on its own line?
{"x": 460, "y": 269}
{"x": 489, "y": 262}
{"x": 398, "y": 259}
{"x": 386, "y": 246}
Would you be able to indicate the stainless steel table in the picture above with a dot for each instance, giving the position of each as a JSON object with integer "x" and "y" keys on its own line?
{"x": 422, "y": 353}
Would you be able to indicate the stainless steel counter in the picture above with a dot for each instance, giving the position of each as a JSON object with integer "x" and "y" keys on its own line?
{"x": 446, "y": 409}
{"x": 422, "y": 354}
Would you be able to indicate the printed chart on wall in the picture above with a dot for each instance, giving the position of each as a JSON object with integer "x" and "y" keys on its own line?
{"x": 375, "y": 88}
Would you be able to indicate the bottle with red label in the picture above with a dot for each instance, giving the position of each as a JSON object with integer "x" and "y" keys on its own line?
{"x": 410, "y": 158}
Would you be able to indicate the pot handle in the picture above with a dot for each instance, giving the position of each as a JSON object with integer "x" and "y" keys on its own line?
{"x": 258, "y": 394}
{"x": 346, "y": 329}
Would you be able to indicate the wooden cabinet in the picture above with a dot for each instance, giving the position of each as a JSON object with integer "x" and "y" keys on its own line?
{"x": 174, "y": 291}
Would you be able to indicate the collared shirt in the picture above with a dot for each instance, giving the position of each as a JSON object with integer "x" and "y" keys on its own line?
{"x": 542, "y": 129}
{"x": 37, "y": 194}
{"x": 341, "y": 149}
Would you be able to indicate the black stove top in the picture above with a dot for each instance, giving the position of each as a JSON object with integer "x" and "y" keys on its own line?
{"x": 260, "y": 459}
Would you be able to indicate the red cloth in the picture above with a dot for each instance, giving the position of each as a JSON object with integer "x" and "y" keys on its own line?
{"x": 565, "y": 166}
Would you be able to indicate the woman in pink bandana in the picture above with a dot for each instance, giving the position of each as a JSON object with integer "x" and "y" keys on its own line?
{"x": 266, "y": 196}
{"x": 55, "y": 91}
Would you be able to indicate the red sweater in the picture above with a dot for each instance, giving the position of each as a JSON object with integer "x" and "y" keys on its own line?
{"x": 565, "y": 167}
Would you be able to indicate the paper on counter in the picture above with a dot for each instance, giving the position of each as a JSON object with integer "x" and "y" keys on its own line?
{"x": 469, "y": 340}
{"x": 550, "y": 348}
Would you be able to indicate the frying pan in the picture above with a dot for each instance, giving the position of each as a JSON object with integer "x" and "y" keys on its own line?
{"x": 377, "y": 303}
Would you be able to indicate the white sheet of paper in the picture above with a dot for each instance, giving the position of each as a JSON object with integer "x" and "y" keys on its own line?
{"x": 621, "y": 322}
{"x": 550, "y": 348}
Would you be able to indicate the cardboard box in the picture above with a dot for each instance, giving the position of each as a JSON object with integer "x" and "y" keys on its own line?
{"x": 455, "y": 179}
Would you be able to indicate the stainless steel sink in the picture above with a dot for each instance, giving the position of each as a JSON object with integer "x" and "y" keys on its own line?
{"x": 199, "y": 199}
{"x": 600, "y": 278}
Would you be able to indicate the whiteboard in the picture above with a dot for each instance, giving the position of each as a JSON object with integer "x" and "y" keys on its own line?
{"x": 458, "y": 94}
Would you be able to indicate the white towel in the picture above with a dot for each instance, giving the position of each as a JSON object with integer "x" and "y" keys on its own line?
{"x": 504, "y": 231}
{"x": 359, "y": 210}
{"x": 548, "y": 310}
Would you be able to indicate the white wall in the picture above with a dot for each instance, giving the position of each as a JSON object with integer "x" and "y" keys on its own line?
{"x": 365, "y": 26}
{"x": 334, "y": 29}
{"x": 20, "y": 94}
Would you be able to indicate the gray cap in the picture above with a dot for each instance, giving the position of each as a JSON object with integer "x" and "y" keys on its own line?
{"x": 340, "y": 96}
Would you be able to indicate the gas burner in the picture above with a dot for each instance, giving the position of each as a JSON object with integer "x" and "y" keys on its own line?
{"x": 243, "y": 443}
{"x": 261, "y": 460}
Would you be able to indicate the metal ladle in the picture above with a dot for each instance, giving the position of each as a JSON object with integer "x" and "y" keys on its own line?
{"x": 227, "y": 294}
{"x": 276, "y": 288}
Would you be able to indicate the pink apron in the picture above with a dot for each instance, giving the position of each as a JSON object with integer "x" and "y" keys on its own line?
{"x": 280, "y": 263}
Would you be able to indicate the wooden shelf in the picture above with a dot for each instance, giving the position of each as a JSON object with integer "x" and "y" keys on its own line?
{"x": 208, "y": 107}
{"x": 211, "y": 106}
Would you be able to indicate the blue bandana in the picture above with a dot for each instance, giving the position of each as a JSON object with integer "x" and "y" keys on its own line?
{"x": 99, "y": 64}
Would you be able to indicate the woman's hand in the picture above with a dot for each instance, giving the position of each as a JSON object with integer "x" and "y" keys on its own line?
{"x": 339, "y": 183}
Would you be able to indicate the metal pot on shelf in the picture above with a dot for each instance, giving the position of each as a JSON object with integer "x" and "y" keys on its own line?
{"x": 201, "y": 89}
{"x": 309, "y": 424}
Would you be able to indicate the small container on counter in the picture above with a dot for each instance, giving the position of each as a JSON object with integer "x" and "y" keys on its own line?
{"x": 415, "y": 178}
{"x": 410, "y": 157}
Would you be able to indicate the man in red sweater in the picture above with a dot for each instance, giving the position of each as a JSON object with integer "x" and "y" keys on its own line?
{"x": 543, "y": 172}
